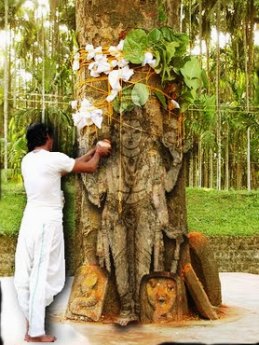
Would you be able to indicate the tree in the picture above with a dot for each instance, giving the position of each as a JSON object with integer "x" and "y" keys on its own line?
{"x": 132, "y": 211}
{"x": 6, "y": 87}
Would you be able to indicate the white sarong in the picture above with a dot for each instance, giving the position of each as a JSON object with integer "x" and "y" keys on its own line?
{"x": 39, "y": 263}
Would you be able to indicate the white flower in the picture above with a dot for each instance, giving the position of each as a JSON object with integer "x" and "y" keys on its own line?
{"x": 114, "y": 63}
{"x": 122, "y": 62}
{"x": 97, "y": 117}
{"x": 85, "y": 104}
{"x": 87, "y": 115}
{"x": 115, "y": 77}
{"x": 92, "y": 52}
{"x": 103, "y": 65}
{"x": 81, "y": 120}
{"x": 73, "y": 104}
{"x": 149, "y": 59}
{"x": 116, "y": 50}
{"x": 100, "y": 65}
{"x": 93, "y": 70}
{"x": 175, "y": 104}
{"x": 126, "y": 73}
{"x": 76, "y": 64}
{"x": 120, "y": 45}
{"x": 112, "y": 95}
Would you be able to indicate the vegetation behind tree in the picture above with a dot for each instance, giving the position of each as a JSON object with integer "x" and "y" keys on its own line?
{"x": 220, "y": 127}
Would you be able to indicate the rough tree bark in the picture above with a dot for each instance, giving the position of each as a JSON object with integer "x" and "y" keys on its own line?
{"x": 134, "y": 254}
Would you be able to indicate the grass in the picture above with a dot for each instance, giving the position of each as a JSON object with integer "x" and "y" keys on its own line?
{"x": 223, "y": 212}
{"x": 13, "y": 201}
{"x": 210, "y": 212}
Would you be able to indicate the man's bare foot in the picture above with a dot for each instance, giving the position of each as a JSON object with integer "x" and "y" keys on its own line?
{"x": 41, "y": 339}
{"x": 125, "y": 318}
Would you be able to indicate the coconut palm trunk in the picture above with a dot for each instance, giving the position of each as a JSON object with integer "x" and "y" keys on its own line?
{"x": 6, "y": 86}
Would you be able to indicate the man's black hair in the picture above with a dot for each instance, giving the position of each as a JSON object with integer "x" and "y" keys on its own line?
{"x": 37, "y": 135}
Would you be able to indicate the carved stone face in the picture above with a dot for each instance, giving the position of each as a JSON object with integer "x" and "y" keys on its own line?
{"x": 131, "y": 135}
{"x": 170, "y": 138}
{"x": 161, "y": 294}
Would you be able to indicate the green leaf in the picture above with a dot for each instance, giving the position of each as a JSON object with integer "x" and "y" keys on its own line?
{"x": 193, "y": 84}
{"x": 170, "y": 50}
{"x": 167, "y": 33}
{"x": 177, "y": 63}
{"x": 123, "y": 101}
{"x": 158, "y": 60}
{"x": 140, "y": 94}
{"x": 182, "y": 39}
{"x": 135, "y": 46}
{"x": 185, "y": 100}
{"x": 184, "y": 106}
{"x": 161, "y": 98}
{"x": 194, "y": 93}
{"x": 191, "y": 69}
{"x": 204, "y": 78}
{"x": 154, "y": 36}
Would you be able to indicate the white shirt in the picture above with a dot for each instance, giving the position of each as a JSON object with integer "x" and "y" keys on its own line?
{"x": 42, "y": 171}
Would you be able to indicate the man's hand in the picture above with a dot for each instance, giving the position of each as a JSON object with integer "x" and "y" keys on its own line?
{"x": 103, "y": 147}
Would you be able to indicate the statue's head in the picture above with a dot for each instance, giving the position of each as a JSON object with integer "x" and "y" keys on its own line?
{"x": 132, "y": 134}
{"x": 161, "y": 293}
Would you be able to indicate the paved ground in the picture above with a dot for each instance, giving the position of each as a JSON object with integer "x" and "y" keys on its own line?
{"x": 241, "y": 326}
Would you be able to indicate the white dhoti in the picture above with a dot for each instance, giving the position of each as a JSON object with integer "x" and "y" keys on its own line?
{"x": 39, "y": 263}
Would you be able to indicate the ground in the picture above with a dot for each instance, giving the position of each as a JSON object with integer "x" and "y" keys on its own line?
{"x": 240, "y": 325}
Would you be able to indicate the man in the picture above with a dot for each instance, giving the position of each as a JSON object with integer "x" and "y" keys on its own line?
{"x": 39, "y": 261}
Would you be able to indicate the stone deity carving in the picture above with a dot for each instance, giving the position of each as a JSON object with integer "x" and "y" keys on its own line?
{"x": 131, "y": 190}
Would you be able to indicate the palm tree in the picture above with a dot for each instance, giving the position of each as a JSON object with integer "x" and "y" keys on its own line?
{"x": 6, "y": 85}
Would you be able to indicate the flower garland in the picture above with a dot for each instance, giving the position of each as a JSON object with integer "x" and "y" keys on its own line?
{"x": 162, "y": 50}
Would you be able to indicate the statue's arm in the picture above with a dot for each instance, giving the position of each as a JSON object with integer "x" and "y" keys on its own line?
{"x": 95, "y": 186}
{"x": 158, "y": 188}
{"x": 175, "y": 149}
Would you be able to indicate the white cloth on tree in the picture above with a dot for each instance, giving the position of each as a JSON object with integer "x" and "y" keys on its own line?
{"x": 39, "y": 259}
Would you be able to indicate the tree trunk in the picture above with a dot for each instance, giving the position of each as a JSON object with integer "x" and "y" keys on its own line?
{"x": 6, "y": 87}
{"x": 200, "y": 163}
{"x": 249, "y": 58}
{"x": 133, "y": 227}
{"x": 206, "y": 169}
{"x": 218, "y": 102}
{"x": 227, "y": 160}
{"x": 191, "y": 171}
{"x": 239, "y": 173}
{"x": 211, "y": 170}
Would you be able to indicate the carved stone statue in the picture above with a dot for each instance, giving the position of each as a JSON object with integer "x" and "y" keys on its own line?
{"x": 130, "y": 189}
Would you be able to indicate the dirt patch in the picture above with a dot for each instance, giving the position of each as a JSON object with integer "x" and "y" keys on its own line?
{"x": 7, "y": 252}
{"x": 225, "y": 313}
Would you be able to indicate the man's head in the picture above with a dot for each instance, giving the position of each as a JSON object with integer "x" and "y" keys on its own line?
{"x": 39, "y": 134}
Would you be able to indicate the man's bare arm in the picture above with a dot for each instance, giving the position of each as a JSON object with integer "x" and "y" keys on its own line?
{"x": 88, "y": 163}
{"x": 86, "y": 157}
{"x": 87, "y": 166}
